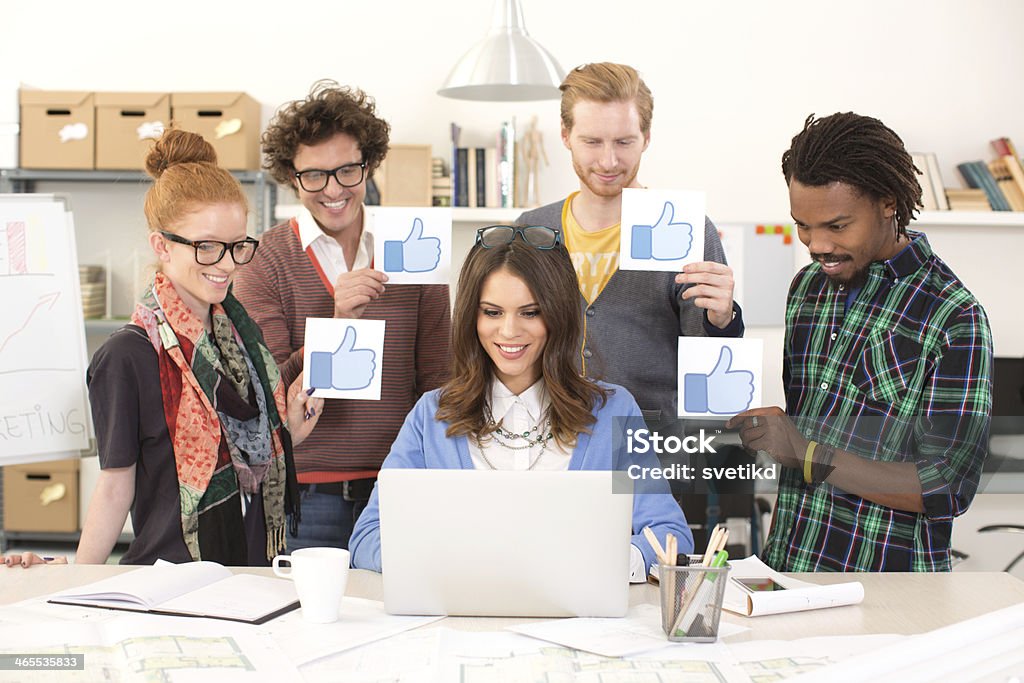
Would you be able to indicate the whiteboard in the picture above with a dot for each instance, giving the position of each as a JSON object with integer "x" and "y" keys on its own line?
{"x": 44, "y": 410}
{"x": 762, "y": 257}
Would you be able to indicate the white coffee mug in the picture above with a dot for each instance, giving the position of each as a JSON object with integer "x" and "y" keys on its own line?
{"x": 320, "y": 576}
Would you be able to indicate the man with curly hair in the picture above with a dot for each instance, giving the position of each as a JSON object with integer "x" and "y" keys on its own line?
{"x": 320, "y": 265}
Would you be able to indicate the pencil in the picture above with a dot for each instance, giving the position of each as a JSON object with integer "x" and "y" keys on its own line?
{"x": 709, "y": 553}
{"x": 656, "y": 544}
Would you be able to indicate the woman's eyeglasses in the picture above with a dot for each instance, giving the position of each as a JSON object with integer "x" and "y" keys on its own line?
{"x": 539, "y": 236}
{"x": 210, "y": 252}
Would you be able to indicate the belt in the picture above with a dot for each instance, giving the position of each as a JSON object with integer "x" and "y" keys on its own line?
{"x": 333, "y": 488}
{"x": 353, "y": 490}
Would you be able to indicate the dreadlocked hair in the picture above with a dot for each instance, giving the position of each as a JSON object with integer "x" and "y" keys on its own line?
{"x": 859, "y": 151}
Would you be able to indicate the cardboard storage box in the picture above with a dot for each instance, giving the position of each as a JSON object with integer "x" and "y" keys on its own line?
{"x": 41, "y": 496}
{"x": 404, "y": 177}
{"x": 126, "y": 125}
{"x": 230, "y": 121}
{"x": 57, "y": 129}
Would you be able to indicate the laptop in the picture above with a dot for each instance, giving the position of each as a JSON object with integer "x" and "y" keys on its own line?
{"x": 504, "y": 543}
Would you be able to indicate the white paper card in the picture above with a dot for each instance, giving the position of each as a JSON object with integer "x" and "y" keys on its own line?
{"x": 719, "y": 377}
{"x": 413, "y": 245}
{"x": 661, "y": 229}
{"x": 343, "y": 357}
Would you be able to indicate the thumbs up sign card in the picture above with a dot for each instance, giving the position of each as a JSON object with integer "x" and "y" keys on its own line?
{"x": 719, "y": 377}
{"x": 412, "y": 245}
{"x": 661, "y": 229}
{"x": 343, "y": 357}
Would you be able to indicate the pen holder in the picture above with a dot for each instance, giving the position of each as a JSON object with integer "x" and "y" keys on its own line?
{"x": 691, "y": 602}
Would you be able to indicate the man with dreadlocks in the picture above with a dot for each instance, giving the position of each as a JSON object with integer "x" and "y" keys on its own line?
{"x": 887, "y": 368}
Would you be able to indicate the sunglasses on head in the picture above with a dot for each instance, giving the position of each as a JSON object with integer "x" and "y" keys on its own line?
{"x": 538, "y": 236}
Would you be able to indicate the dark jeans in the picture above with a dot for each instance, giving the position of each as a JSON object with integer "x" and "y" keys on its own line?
{"x": 327, "y": 520}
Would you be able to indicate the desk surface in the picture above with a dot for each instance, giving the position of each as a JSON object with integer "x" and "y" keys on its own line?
{"x": 893, "y": 603}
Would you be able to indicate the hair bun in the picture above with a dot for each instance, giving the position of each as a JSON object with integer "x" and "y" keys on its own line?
{"x": 178, "y": 147}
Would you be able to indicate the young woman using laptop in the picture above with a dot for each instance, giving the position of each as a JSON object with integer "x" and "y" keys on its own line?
{"x": 516, "y": 400}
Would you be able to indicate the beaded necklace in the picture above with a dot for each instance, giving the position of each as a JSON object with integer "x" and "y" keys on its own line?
{"x": 532, "y": 437}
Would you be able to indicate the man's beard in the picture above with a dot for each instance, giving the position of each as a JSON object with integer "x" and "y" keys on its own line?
{"x": 601, "y": 189}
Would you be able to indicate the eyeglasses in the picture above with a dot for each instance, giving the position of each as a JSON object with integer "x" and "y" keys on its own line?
{"x": 347, "y": 175}
{"x": 210, "y": 252}
{"x": 538, "y": 236}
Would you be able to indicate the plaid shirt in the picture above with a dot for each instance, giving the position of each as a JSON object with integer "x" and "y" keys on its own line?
{"x": 904, "y": 375}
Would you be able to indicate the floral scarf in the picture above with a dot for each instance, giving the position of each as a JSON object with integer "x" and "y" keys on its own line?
{"x": 206, "y": 441}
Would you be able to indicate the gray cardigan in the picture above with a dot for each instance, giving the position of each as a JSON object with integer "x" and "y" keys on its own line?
{"x": 633, "y": 326}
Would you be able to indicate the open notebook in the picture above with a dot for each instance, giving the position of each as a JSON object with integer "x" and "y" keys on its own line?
{"x": 192, "y": 589}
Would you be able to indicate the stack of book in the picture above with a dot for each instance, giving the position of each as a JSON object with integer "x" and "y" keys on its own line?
{"x": 967, "y": 200}
{"x": 1000, "y": 180}
{"x": 94, "y": 291}
{"x": 484, "y": 176}
{"x": 441, "y": 182}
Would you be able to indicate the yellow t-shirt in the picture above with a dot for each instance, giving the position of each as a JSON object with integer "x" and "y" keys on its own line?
{"x": 595, "y": 255}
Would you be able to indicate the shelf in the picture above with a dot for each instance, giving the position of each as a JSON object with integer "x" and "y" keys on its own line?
{"x": 970, "y": 219}
{"x": 23, "y": 174}
{"x": 22, "y": 180}
{"x": 460, "y": 214}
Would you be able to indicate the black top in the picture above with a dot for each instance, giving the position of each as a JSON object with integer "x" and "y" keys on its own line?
{"x": 128, "y": 415}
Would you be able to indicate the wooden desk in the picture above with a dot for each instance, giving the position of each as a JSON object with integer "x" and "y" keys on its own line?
{"x": 893, "y": 603}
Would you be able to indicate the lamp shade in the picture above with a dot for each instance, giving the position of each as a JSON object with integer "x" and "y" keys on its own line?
{"x": 507, "y": 65}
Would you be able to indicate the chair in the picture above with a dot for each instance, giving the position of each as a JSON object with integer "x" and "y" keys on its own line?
{"x": 705, "y": 510}
{"x": 1013, "y": 529}
{"x": 1007, "y": 420}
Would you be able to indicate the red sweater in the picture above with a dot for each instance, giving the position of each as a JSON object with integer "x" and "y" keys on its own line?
{"x": 280, "y": 288}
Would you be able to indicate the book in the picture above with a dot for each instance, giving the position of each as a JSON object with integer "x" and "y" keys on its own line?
{"x": 507, "y": 164}
{"x": 458, "y": 179}
{"x": 190, "y": 589}
{"x": 1016, "y": 171}
{"x": 977, "y": 175}
{"x": 1007, "y": 184}
{"x": 460, "y": 172}
{"x": 471, "y": 169}
{"x": 482, "y": 176}
{"x": 927, "y": 191}
{"x": 967, "y": 200}
{"x": 795, "y": 596}
{"x": 1004, "y": 146}
{"x": 492, "y": 192}
{"x": 937, "y": 184}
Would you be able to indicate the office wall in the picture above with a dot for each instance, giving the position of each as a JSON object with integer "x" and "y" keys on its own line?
{"x": 732, "y": 82}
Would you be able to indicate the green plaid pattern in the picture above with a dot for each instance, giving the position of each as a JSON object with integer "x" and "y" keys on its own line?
{"x": 904, "y": 375}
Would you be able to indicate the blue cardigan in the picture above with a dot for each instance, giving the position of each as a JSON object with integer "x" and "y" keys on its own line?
{"x": 422, "y": 443}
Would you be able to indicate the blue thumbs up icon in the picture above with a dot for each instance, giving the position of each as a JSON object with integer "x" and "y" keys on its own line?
{"x": 665, "y": 240}
{"x": 720, "y": 392}
{"x": 346, "y": 368}
{"x": 414, "y": 254}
